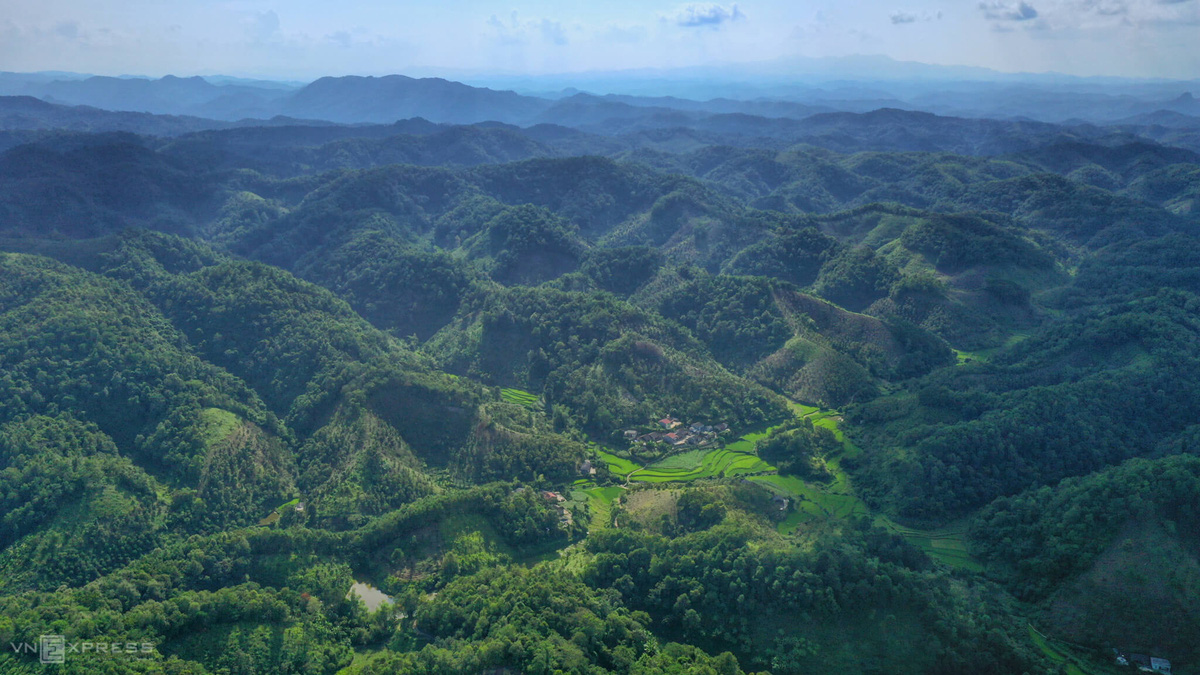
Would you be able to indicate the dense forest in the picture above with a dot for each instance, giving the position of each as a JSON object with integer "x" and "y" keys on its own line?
{"x": 921, "y": 412}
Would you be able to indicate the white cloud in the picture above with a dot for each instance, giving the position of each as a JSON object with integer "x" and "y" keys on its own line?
{"x": 998, "y": 10}
{"x": 705, "y": 15}
{"x": 1065, "y": 15}
{"x": 518, "y": 31}
{"x": 900, "y": 18}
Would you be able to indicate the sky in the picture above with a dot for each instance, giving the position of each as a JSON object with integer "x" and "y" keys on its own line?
{"x": 305, "y": 39}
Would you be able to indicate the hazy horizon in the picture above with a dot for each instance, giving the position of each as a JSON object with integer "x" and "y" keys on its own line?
{"x": 470, "y": 39}
{"x": 969, "y": 72}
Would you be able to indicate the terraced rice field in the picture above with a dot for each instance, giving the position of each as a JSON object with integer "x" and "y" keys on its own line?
{"x": 739, "y": 459}
{"x": 830, "y": 420}
{"x": 947, "y": 544}
{"x": 812, "y": 501}
{"x": 519, "y": 397}
{"x": 619, "y": 466}
{"x": 1061, "y": 655}
{"x": 711, "y": 464}
{"x": 694, "y": 465}
{"x": 686, "y": 460}
{"x": 802, "y": 410}
{"x": 985, "y": 355}
{"x": 599, "y": 501}
{"x": 746, "y": 443}
{"x": 835, "y": 499}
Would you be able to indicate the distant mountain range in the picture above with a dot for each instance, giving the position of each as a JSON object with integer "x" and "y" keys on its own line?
{"x": 587, "y": 126}
{"x": 356, "y": 100}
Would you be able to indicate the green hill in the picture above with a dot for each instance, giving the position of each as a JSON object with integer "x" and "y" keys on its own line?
{"x": 933, "y": 413}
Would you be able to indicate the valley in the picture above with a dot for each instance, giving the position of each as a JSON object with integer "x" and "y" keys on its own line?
{"x": 245, "y": 369}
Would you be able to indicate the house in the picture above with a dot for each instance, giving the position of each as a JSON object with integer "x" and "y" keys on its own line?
{"x": 722, "y": 427}
{"x": 299, "y": 507}
{"x": 694, "y": 440}
{"x": 586, "y": 468}
{"x": 630, "y": 435}
{"x": 780, "y": 502}
{"x": 673, "y": 438}
{"x": 696, "y": 428}
{"x": 649, "y": 438}
{"x": 668, "y": 423}
{"x": 1144, "y": 663}
{"x": 552, "y": 496}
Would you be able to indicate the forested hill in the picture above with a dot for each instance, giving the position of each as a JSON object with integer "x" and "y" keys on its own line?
{"x": 578, "y": 125}
{"x": 865, "y": 393}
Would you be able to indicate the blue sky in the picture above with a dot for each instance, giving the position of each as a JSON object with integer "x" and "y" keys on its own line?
{"x": 303, "y": 39}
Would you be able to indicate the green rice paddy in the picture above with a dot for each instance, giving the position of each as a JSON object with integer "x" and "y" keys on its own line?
{"x": 520, "y": 397}
{"x": 684, "y": 460}
{"x": 812, "y": 501}
{"x": 984, "y": 355}
{"x": 809, "y": 501}
{"x": 802, "y": 410}
{"x": 619, "y": 466}
{"x": 598, "y": 500}
{"x": 1064, "y": 657}
{"x": 947, "y": 544}
{"x": 688, "y": 466}
{"x": 719, "y": 463}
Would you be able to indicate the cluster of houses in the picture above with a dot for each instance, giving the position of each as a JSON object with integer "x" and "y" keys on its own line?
{"x": 672, "y": 432}
{"x": 1149, "y": 664}
{"x": 560, "y": 503}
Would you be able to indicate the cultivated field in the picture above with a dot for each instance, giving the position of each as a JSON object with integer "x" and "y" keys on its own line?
{"x": 810, "y": 501}
{"x": 520, "y": 397}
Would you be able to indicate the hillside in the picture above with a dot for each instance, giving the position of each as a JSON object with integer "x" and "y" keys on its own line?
{"x": 1113, "y": 555}
{"x": 684, "y": 391}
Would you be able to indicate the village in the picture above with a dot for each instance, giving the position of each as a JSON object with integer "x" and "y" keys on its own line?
{"x": 669, "y": 433}
{"x": 559, "y": 502}
{"x": 672, "y": 432}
